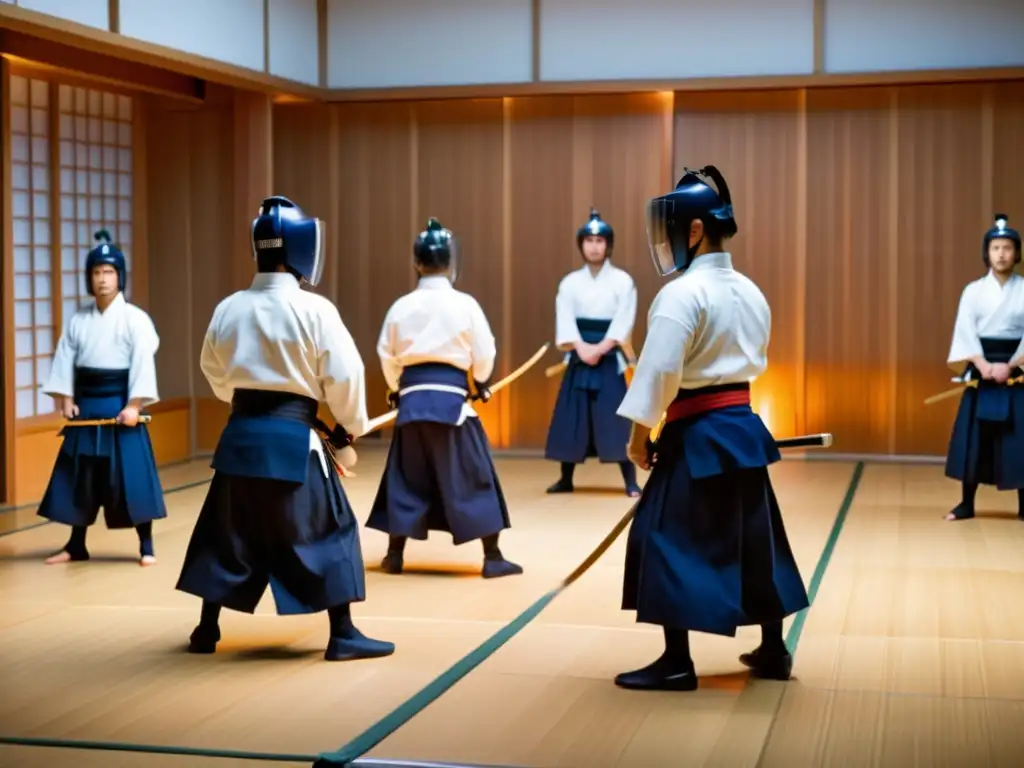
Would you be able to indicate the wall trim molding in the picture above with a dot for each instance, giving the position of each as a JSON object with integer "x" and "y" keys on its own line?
{"x": 751, "y": 83}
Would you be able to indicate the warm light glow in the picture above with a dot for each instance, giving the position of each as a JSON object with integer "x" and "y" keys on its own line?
{"x": 763, "y": 408}
{"x": 29, "y": 62}
{"x": 287, "y": 98}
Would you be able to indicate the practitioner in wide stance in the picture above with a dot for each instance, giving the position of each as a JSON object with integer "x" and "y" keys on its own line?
{"x": 435, "y": 344}
{"x": 987, "y": 444}
{"x": 105, "y": 368}
{"x": 707, "y": 550}
{"x": 275, "y": 512}
{"x": 595, "y": 310}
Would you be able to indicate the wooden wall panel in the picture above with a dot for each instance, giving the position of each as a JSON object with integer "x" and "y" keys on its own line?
{"x": 851, "y": 282}
{"x": 861, "y": 212}
{"x": 303, "y": 172}
{"x": 168, "y": 149}
{"x": 377, "y": 222}
{"x": 195, "y": 256}
{"x": 1005, "y": 117}
{"x": 945, "y": 205}
{"x": 544, "y": 220}
{"x": 459, "y": 151}
{"x": 568, "y": 154}
{"x": 755, "y": 140}
{"x": 513, "y": 178}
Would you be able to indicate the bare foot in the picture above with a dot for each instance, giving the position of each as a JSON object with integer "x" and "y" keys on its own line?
{"x": 61, "y": 557}
{"x": 147, "y": 560}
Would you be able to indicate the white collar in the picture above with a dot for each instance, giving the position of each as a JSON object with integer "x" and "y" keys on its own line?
{"x": 434, "y": 282}
{"x": 115, "y": 303}
{"x": 279, "y": 280}
{"x": 717, "y": 260}
{"x": 606, "y": 266}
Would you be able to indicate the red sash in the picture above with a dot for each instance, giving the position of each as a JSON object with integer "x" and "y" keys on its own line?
{"x": 685, "y": 407}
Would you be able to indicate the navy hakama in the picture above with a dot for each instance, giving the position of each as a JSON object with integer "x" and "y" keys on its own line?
{"x": 585, "y": 422}
{"x": 439, "y": 475}
{"x": 112, "y": 467}
{"x": 987, "y": 443}
{"x": 272, "y": 516}
{"x": 708, "y": 550}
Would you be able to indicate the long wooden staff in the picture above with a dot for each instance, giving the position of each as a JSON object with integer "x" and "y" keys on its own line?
{"x": 143, "y": 419}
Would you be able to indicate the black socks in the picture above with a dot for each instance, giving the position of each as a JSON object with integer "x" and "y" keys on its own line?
{"x": 677, "y": 648}
{"x": 78, "y": 551}
{"x": 341, "y": 620}
{"x": 340, "y": 617}
{"x": 396, "y": 545}
{"x": 772, "y": 642}
{"x": 76, "y": 543}
{"x": 491, "y": 551}
{"x": 145, "y": 531}
{"x": 209, "y": 618}
{"x": 628, "y": 469}
{"x": 970, "y": 490}
{"x": 568, "y": 470}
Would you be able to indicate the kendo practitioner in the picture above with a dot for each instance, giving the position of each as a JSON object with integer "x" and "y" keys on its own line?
{"x": 437, "y": 350}
{"x": 707, "y": 550}
{"x": 595, "y": 309}
{"x": 275, "y": 511}
{"x": 987, "y": 444}
{"x": 104, "y": 367}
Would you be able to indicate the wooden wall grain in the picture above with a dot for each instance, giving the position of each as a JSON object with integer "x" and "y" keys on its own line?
{"x": 861, "y": 212}
{"x": 208, "y": 168}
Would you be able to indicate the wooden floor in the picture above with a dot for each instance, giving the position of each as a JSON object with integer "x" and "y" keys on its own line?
{"x": 912, "y": 654}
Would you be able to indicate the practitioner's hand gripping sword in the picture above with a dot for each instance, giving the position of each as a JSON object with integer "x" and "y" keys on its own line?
{"x": 965, "y": 382}
{"x": 627, "y": 350}
{"x": 390, "y": 416}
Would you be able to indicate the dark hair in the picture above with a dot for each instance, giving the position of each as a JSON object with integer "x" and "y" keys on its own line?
{"x": 270, "y": 260}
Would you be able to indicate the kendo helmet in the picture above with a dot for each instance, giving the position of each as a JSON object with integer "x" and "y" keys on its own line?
{"x": 596, "y": 227}
{"x": 437, "y": 248}
{"x": 105, "y": 253}
{"x": 669, "y": 218}
{"x": 1001, "y": 230}
{"x": 282, "y": 231}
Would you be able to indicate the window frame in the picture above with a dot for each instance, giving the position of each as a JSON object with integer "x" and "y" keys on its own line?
{"x": 15, "y": 426}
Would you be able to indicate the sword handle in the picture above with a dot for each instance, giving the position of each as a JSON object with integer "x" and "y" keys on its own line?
{"x": 823, "y": 440}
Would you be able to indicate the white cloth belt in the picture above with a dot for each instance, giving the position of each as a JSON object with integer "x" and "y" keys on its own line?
{"x": 467, "y": 409}
{"x": 434, "y": 388}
